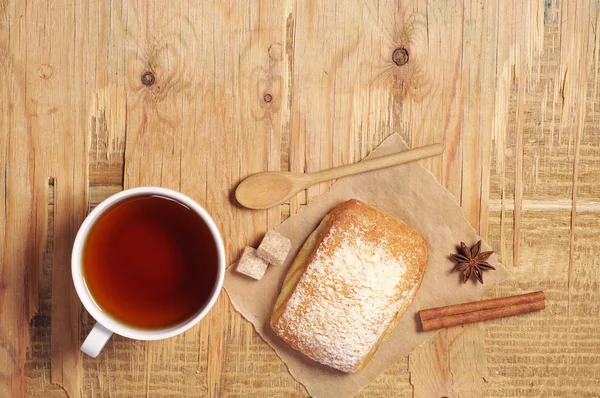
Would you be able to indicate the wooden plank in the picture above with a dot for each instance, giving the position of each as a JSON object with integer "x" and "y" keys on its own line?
{"x": 56, "y": 126}
{"x": 17, "y": 237}
{"x": 65, "y": 159}
{"x": 466, "y": 77}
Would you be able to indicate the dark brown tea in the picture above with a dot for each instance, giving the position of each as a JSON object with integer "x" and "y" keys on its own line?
{"x": 150, "y": 262}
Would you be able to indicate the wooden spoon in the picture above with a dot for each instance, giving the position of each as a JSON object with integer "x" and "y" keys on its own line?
{"x": 271, "y": 188}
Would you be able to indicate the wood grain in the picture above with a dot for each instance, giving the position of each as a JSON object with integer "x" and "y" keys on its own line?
{"x": 16, "y": 206}
{"x": 510, "y": 88}
{"x": 468, "y": 141}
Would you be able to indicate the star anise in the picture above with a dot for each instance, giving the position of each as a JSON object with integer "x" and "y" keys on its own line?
{"x": 471, "y": 261}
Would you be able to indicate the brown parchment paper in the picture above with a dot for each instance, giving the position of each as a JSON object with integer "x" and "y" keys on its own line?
{"x": 410, "y": 193}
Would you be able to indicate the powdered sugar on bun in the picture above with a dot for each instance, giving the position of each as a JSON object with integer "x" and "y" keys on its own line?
{"x": 364, "y": 268}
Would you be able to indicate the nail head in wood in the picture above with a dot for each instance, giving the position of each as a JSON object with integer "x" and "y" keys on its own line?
{"x": 268, "y": 98}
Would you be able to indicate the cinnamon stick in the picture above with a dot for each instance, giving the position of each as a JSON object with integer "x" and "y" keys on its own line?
{"x": 455, "y": 315}
{"x": 481, "y": 305}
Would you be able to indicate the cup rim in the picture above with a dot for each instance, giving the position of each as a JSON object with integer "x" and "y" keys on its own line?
{"x": 85, "y": 296}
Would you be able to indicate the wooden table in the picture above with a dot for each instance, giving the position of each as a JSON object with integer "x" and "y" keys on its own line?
{"x": 99, "y": 96}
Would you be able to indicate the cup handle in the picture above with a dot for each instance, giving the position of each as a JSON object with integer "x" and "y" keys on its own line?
{"x": 96, "y": 340}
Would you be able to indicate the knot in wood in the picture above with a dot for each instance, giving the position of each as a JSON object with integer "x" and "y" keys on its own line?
{"x": 148, "y": 78}
{"x": 45, "y": 71}
{"x": 400, "y": 56}
{"x": 268, "y": 98}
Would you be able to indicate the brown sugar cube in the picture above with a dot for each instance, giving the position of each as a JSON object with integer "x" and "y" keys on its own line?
{"x": 251, "y": 264}
{"x": 274, "y": 248}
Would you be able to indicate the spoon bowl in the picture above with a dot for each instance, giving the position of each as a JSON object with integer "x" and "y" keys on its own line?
{"x": 268, "y": 189}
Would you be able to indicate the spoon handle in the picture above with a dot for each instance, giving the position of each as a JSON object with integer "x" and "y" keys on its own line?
{"x": 377, "y": 163}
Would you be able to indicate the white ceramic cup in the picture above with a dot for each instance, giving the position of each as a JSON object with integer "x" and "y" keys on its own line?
{"x": 107, "y": 325}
